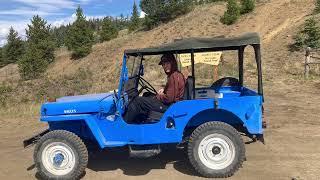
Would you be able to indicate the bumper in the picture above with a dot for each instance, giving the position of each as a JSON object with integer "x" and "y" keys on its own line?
{"x": 34, "y": 139}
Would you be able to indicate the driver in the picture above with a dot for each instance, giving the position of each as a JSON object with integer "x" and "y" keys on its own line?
{"x": 172, "y": 93}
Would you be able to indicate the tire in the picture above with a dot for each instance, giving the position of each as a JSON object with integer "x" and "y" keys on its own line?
{"x": 216, "y": 150}
{"x": 60, "y": 154}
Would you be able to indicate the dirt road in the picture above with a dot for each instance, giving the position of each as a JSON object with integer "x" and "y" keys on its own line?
{"x": 292, "y": 147}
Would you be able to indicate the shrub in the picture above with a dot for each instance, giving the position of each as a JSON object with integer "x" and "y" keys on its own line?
{"x": 232, "y": 14}
{"x": 317, "y": 9}
{"x": 312, "y": 32}
{"x": 4, "y": 91}
{"x": 207, "y": 1}
{"x": 309, "y": 36}
{"x": 247, "y": 6}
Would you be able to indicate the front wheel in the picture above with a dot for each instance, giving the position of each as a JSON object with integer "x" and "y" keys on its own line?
{"x": 60, "y": 155}
{"x": 216, "y": 150}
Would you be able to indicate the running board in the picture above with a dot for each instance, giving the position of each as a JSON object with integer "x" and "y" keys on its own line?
{"x": 144, "y": 151}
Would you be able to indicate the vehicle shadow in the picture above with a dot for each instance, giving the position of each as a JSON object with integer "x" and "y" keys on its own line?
{"x": 113, "y": 159}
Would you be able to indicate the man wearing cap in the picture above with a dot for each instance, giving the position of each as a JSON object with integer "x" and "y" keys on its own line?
{"x": 172, "y": 92}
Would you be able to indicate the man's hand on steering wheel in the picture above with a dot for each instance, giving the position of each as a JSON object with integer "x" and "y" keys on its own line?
{"x": 147, "y": 86}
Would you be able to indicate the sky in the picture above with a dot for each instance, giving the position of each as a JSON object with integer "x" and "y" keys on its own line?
{"x": 17, "y": 13}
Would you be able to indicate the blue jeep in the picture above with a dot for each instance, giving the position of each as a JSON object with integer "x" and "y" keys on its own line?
{"x": 207, "y": 123}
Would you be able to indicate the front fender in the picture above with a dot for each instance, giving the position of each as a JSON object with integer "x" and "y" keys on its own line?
{"x": 34, "y": 139}
{"x": 63, "y": 122}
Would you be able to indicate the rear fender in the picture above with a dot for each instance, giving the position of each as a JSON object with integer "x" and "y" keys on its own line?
{"x": 221, "y": 115}
{"x": 243, "y": 113}
{"x": 249, "y": 121}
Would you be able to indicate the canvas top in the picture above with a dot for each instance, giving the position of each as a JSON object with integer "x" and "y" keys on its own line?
{"x": 199, "y": 45}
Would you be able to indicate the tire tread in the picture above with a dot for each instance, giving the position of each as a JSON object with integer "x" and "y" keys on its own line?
{"x": 75, "y": 141}
{"x": 207, "y": 126}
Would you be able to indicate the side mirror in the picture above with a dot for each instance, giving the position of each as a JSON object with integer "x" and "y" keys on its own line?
{"x": 141, "y": 70}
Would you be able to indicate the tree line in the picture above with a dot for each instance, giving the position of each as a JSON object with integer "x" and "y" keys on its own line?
{"x": 35, "y": 53}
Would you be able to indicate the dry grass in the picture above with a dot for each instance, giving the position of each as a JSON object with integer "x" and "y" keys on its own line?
{"x": 275, "y": 27}
{"x": 20, "y": 111}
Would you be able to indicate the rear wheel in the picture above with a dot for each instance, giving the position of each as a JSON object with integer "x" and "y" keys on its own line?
{"x": 60, "y": 155}
{"x": 216, "y": 150}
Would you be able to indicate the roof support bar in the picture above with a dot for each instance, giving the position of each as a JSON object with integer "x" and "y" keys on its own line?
{"x": 240, "y": 56}
{"x": 193, "y": 75}
{"x": 257, "y": 53}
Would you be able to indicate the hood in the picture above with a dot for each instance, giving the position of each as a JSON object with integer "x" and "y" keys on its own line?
{"x": 87, "y": 97}
{"x": 82, "y": 104}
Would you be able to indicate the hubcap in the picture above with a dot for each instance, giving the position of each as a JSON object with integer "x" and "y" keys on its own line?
{"x": 216, "y": 151}
{"x": 58, "y": 158}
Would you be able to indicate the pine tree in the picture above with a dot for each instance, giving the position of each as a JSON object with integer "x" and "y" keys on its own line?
{"x": 312, "y": 32}
{"x": 80, "y": 36}
{"x": 232, "y": 14}
{"x": 39, "y": 35}
{"x": 59, "y": 34}
{"x": 108, "y": 30}
{"x": 14, "y": 48}
{"x": 247, "y": 6}
{"x": 308, "y": 37}
{"x": 135, "y": 20}
{"x": 39, "y": 49}
{"x": 31, "y": 66}
{"x": 162, "y": 11}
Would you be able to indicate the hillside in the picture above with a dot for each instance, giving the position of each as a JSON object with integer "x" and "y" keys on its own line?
{"x": 292, "y": 105}
{"x": 275, "y": 20}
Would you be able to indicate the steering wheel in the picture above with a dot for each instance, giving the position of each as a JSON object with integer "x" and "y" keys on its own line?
{"x": 146, "y": 85}
{"x": 226, "y": 81}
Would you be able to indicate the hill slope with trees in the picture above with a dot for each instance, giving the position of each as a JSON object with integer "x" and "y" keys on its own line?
{"x": 277, "y": 29}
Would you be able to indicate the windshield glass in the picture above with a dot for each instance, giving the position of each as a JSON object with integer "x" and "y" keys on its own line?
{"x": 133, "y": 64}
{"x": 153, "y": 72}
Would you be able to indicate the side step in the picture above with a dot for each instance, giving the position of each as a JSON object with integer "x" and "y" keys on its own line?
{"x": 144, "y": 151}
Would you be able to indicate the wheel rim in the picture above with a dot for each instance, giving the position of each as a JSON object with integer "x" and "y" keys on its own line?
{"x": 216, "y": 151}
{"x": 58, "y": 158}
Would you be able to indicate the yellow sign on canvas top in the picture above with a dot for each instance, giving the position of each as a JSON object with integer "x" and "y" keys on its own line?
{"x": 211, "y": 58}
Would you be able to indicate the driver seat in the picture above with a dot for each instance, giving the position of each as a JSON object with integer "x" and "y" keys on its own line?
{"x": 154, "y": 116}
{"x": 188, "y": 93}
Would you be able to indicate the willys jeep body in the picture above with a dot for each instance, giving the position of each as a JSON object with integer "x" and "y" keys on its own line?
{"x": 207, "y": 125}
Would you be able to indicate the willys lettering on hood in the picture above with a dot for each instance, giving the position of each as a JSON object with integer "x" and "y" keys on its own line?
{"x": 78, "y": 104}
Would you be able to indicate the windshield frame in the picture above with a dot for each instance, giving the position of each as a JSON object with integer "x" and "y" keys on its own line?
{"x": 240, "y": 49}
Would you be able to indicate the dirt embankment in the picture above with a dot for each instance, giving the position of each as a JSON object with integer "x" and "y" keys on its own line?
{"x": 292, "y": 105}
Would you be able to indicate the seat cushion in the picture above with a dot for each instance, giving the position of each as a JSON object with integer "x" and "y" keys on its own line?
{"x": 154, "y": 115}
